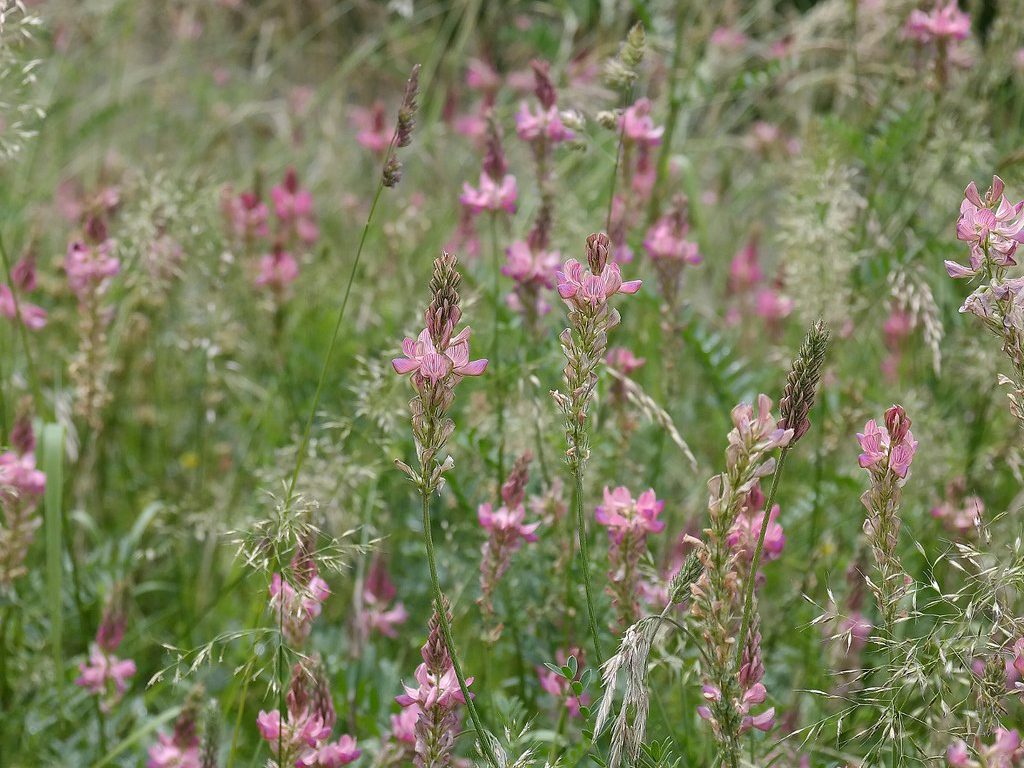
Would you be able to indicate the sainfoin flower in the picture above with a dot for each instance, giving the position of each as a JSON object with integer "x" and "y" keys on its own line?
{"x": 1003, "y": 752}
{"x": 246, "y": 214}
{"x": 90, "y": 267}
{"x": 106, "y": 676}
{"x": 745, "y": 531}
{"x": 299, "y": 604}
{"x": 372, "y": 129}
{"x": 622, "y": 515}
{"x": 944, "y": 22}
{"x": 427, "y": 364}
{"x": 23, "y": 277}
{"x": 541, "y": 123}
{"x": 991, "y": 226}
{"x": 293, "y": 206}
{"x": 379, "y": 612}
{"x": 623, "y": 360}
{"x": 890, "y": 449}
{"x": 277, "y": 270}
{"x": 527, "y": 265}
{"x": 638, "y": 127}
{"x": 581, "y": 288}
{"x": 491, "y": 194}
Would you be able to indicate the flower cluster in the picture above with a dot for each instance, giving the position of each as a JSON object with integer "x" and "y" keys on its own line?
{"x": 750, "y": 295}
{"x": 105, "y": 675}
{"x": 296, "y": 597}
{"x": 21, "y": 488}
{"x": 23, "y": 279}
{"x": 1004, "y": 751}
{"x": 730, "y": 690}
{"x": 497, "y": 189}
{"x": 639, "y": 136}
{"x": 584, "y": 343}
{"x": 295, "y": 231}
{"x": 302, "y": 737}
{"x": 887, "y": 456}
{"x": 745, "y": 530}
{"x": 180, "y": 748}
{"x": 436, "y": 699}
{"x": 506, "y": 530}
{"x": 628, "y": 521}
{"x": 438, "y": 360}
{"x": 940, "y": 33}
{"x": 532, "y": 269}
{"x": 378, "y": 611}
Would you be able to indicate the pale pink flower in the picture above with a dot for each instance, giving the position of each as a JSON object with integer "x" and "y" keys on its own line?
{"x": 372, "y": 129}
{"x": 106, "y": 676}
{"x": 507, "y": 524}
{"x": 945, "y": 22}
{"x": 491, "y": 195}
{"x": 403, "y": 725}
{"x": 337, "y": 753}
{"x": 773, "y": 306}
{"x": 666, "y": 241}
{"x": 745, "y": 269}
{"x": 293, "y": 206}
{"x": 168, "y": 753}
{"x": 892, "y": 448}
{"x": 433, "y": 690}
{"x": 18, "y": 472}
{"x": 728, "y": 39}
{"x": 581, "y": 288}
{"x": 991, "y": 226}
{"x": 32, "y": 316}
{"x": 623, "y": 360}
{"x": 378, "y": 612}
{"x": 424, "y": 361}
{"x": 89, "y": 268}
{"x": 621, "y": 514}
{"x": 246, "y": 214}
{"x": 857, "y": 628}
{"x": 638, "y": 127}
{"x": 746, "y": 530}
{"x": 481, "y": 76}
{"x": 537, "y": 123}
{"x": 298, "y": 604}
{"x": 277, "y": 270}
{"x": 299, "y": 736}
{"x": 531, "y": 266}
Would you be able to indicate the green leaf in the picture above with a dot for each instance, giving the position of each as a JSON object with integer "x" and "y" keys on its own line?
{"x": 53, "y": 467}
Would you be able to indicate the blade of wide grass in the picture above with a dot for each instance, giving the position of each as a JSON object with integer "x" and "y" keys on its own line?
{"x": 53, "y": 466}
{"x": 138, "y": 735}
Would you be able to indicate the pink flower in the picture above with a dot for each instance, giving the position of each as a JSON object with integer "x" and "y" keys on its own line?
{"x": 403, "y": 725}
{"x": 528, "y": 266}
{"x": 492, "y": 195}
{"x": 991, "y": 226}
{"x": 293, "y": 205}
{"x": 246, "y": 214}
{"x": 277, "y": 270}
{"x": 338, "y": 753}
{"x": 507, "y": 524}
{"x": 772, "y": 306}
{"x": 19, "y": 473}
{"x": 583, "y": 289}
{"x": 728, "y": 39}
{"x": 299, "y": 606}
{"x": 745, "y": 531}
{"x": 623, "y": 360}
{"x": 433, "y": 690}
{"x": 622, "y": 514}
{"x": 300, "y": 735}
{"x": 168, "y": 753}
{"x": 373, "y": 132}
{"x": 945, "y": 22}
{"x": 637, "y": 126}
{"x": 958, "y": 755}
{"x": 857, "y": 628}
{"x": 543, "y": 123}
{"x": 889, "y": 449}
{"x": 667, "y": 241}
{"x": 89, "y": 268}
{"x": 378, "y": 594}
{"x": 106, "y": 676}
{"x": 757, "y": 431}
{"x": 745, "y": 270}
{"x": 424, "y": 361}
{"x": 481, "y": 76}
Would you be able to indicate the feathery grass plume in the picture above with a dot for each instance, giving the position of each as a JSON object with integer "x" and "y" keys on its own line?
{"x": 716, "y": 595}
{"x": 392, "y": 173}
{"x": 437, "y": 360}
{"x": 623, "y": 70}
{"x": 586, "y": 291}
{"x": 20, "y": 110}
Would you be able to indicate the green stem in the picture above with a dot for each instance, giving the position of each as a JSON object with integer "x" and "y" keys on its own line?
{"x": 553, "y": 751}
{"x": 748, "y": 598}
{"x": 581, "y": 531}
{"x": 495, "y": 361}
{"x": 446, "y": 633}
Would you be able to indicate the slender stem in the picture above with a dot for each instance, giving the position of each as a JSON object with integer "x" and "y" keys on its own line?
{"x": 553, "y": 751}
{"x": 446, "y": 633}
{"x": 615, "y": 179}
{"x": 748, "y": 598}
{"x": 301, "y": 455}
{"x": 495, "y": 361}
{"x": 675, "y": 102}
{"x": 37, "y": 392}
{"x": 581, "y": 531}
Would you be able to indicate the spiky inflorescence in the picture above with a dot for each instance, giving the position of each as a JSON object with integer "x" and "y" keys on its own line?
{"x": 623, "y": 70}
{"x": 802, "y": 381}
{"x": 403, "y": 128}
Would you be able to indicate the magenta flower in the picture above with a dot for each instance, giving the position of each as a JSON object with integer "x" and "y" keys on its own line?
{"x": 543, "y": 123}
{"x": 372, "y": 129}
{"x": 424, "y": 361}
{"x": 433, "y": 690}
{"x": 293, "y": 206}
{"x": 638, "y": 127}
{"x": 492, "y": 195}
{"x": 773, "y": 306}
{"x": 481, "y": 76}
{"x": 403, "y": 725}
{"x": 298, "y": 737}
{"x": 378, "y": 614}
{"x": 507, "y": 524}
{"x": 887, "y": 449}
{"x": 944, "y": 23}
{"x": 246, "y": 214}
{"x": 106, "y": 676}
{"x": 746, "y": 530}
{"x": 277, "y": 270}
{"x": 89, "y": 268}
{"x": 584, "y": 289}
{"x": 745, "y": 269}
{"x": 19, "y": 473}
{"x": 621, "y": 514}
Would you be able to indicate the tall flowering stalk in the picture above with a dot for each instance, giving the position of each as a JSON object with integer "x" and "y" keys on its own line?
{"x": 507, "y": 530}
{"x": 21, "y": 488}
{"x": 993, "y": 227}
{"x": 731, "y": 688}
{"x": 437, "y": 360}
{"x": 886, "y": 455}
{"x": 433, "y": 703}
{"x": 586, "y": 291}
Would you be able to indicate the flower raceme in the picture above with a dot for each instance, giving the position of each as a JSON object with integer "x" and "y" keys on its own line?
{"x": 298, "y": 604}
{"x": 587, "y": 291}
{"x": 623, "y": 515}
{"x": 991, "y": 226}
{"x": 891, "y": 449}
{"x": 428, "y": 365}
{"x": 945, "y": 22}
